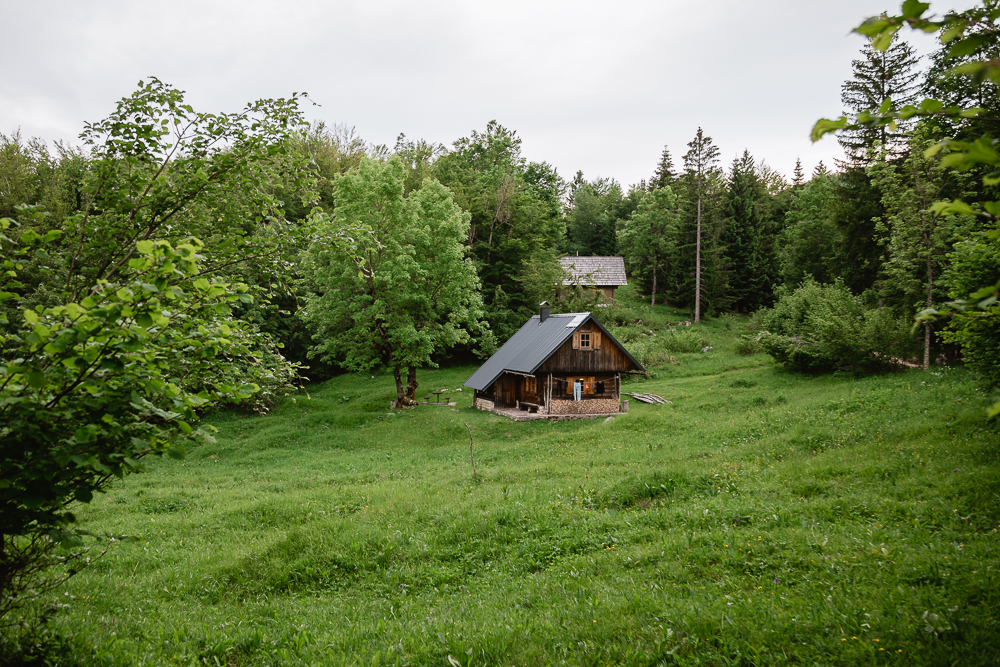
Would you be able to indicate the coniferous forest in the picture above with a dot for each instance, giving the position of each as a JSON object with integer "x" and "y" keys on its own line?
{"x": 178, "y": 264}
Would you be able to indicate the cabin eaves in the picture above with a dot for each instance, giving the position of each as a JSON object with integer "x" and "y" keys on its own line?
{"x": 535, "y": 342}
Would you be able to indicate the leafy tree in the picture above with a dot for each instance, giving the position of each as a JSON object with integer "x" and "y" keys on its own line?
{"x": 808, "y": 244}
{"x": 404, "y": 289}
{"x": 941, "y": 83}
{"x": 515, "y": 214}
{"x": 742, "y": 240}
{"x": 878, "y": 75}
{"x": 819, "y": 328}
{"x": 917, "y": 240}
{"x": 975, "y": 261}
{"x": 589, "y": 226}
{"x": 158, "y": 169}
{"x": 331, "y": 150}
{"x": 590, "y": 218}
{"x": 88, "y": 388}
{"x": 418, "y": 157}
{"x": 649, "y": 237}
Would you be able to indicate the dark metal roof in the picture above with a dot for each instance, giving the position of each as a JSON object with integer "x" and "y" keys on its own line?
{"x": 532, "y": 345}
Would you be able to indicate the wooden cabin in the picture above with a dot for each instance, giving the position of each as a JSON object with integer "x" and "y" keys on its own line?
{"x": 537, "y": 369}
{"x": 601, "y": 274}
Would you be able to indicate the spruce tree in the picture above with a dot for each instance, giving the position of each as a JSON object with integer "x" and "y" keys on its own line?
{"x": 665, "y": 174}
{"x": 820, "y": 170}
{"x": 856, "y": 205}
{"x": 878, "y": 75}
{"x": 798, "y": 177}
{"x": 742, "y": 239}
{"x": 700, "y": 164}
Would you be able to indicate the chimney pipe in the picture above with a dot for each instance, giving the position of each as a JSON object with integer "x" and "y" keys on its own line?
{"x": 543, "y": 311}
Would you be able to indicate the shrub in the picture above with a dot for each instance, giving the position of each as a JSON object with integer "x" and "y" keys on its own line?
{"x": 626, "y": 334}
{"x": 748, "y": 346}
{"x": 822, "y": 328}
{"x": 618, "y": 316}
{"x": 683, "y": 341}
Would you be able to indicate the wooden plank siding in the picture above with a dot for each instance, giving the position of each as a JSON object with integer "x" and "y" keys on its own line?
{"x": 608, "y": 359}
{"x": 505, "y": 391}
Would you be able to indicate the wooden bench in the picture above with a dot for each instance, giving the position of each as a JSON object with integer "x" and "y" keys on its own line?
{"x": 531, "y": 407}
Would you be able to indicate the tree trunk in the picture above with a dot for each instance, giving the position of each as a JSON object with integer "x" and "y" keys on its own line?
{"x": 927, "y": 346}
{"x": 398, "y": 377}
{"x": 930, "y": 302}
{"x": 697, "y": 261}
{"x": 411, "y": 384}
{"x": 652, "y": 301}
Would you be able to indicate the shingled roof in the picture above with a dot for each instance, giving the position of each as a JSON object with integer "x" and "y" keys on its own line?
{"x": 534, "y": 343}
{"x": 596, "y": 271}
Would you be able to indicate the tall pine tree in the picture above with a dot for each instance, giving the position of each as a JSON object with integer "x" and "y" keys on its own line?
{"x": 878, "y": 75}
{"x": 665, "y": 174}
{"x": 798, "y": 176}
{"x": 742, "y": 240}
{"x": 698, "y": 277}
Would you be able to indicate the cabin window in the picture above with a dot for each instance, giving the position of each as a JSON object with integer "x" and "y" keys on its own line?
{"x": 585, "y": 341}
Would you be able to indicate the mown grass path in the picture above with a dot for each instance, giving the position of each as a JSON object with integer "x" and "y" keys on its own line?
{"x": 762, "y": 518}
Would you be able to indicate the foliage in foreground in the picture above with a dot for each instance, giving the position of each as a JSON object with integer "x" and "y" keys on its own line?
{"x": 968, "y": 72}
{"x": 89, "y": 388}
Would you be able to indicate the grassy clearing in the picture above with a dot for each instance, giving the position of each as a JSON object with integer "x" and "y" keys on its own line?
{"x": 762, "y": 518}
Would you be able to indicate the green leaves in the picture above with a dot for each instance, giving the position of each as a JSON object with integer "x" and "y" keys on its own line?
{"x": 68, "y": 396}
{"x": 914, "y": 9}
{"x": 825, "y": 126}
{"x": 403, "y": 290}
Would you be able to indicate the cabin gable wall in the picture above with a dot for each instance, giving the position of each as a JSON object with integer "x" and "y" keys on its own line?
{"x": 608, "y": 358}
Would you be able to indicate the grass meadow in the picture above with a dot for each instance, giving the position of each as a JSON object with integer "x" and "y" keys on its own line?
{"x": 761, "y": 518}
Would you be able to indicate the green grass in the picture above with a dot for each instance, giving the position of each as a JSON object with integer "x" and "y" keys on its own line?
{"x": 762, "y": 518}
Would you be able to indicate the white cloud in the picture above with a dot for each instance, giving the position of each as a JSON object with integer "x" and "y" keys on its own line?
{"x": 588, "y": 84}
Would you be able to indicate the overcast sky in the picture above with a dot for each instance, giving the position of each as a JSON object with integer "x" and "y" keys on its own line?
{"x": 592, "y": 85}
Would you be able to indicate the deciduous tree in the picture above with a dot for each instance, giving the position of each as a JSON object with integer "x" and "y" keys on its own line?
{"x": 405, "y": 287}
{"x": 649, "y": 237}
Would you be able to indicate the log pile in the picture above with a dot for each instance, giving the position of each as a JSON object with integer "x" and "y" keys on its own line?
{"x": 648, "y": 398}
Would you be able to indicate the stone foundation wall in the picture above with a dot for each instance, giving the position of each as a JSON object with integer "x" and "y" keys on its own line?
{"x": 483, "y": 404}
{"x": 593, "y": 406}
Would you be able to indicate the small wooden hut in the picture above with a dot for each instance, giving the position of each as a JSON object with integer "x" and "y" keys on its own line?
{"x": 537, "y": 369}
{"x": 601, "y": 274}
